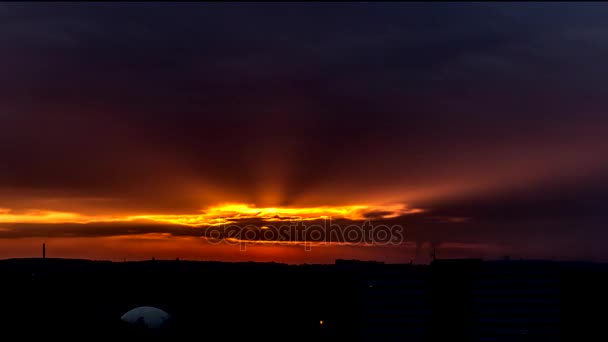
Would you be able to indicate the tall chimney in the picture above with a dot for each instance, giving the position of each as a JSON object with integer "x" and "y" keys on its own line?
{"x": 43, "y": 250}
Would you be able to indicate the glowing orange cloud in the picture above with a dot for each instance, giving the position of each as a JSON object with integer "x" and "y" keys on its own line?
{"x": 221, "y": 214}
{"x": 228, "y": 213}
{"x": 42, "y": 216}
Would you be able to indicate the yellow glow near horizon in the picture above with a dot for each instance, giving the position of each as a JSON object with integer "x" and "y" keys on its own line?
{"x": 228, "y": 213}
{"x": 216, "y": 215}
{"x": 41, "y": 216}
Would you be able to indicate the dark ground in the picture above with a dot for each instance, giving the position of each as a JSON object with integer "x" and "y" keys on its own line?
{"x": 80, "y": 299}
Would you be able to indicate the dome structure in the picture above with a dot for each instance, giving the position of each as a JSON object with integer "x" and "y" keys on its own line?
{"x": 147, "y": 316}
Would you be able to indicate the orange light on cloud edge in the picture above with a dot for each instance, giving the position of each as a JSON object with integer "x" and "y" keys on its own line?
{"x": 165, "y": 245}
{"x": 228, "y": 213}
{"x": 217, "y": 215}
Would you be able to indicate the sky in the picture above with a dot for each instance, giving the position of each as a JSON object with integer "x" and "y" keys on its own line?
{"x": 128, "y": 131}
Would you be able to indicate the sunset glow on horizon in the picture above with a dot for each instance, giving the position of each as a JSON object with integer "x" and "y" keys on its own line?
{"x": 216, "y": 215}
{"x": 481, "y": 130}
{"x": 225, "y": 214}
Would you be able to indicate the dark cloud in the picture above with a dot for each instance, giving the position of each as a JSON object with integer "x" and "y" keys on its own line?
{"x": 493, "y": 113}
{"x": 100, "y": 229}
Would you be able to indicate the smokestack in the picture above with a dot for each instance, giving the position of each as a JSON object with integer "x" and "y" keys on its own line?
{"x": 43, "y": 250}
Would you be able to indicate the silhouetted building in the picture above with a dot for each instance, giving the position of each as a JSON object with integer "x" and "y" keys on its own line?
{"x": 516, "y": 301}
{"x": 395, "y": 303}
{"x": 464, "y": 300}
